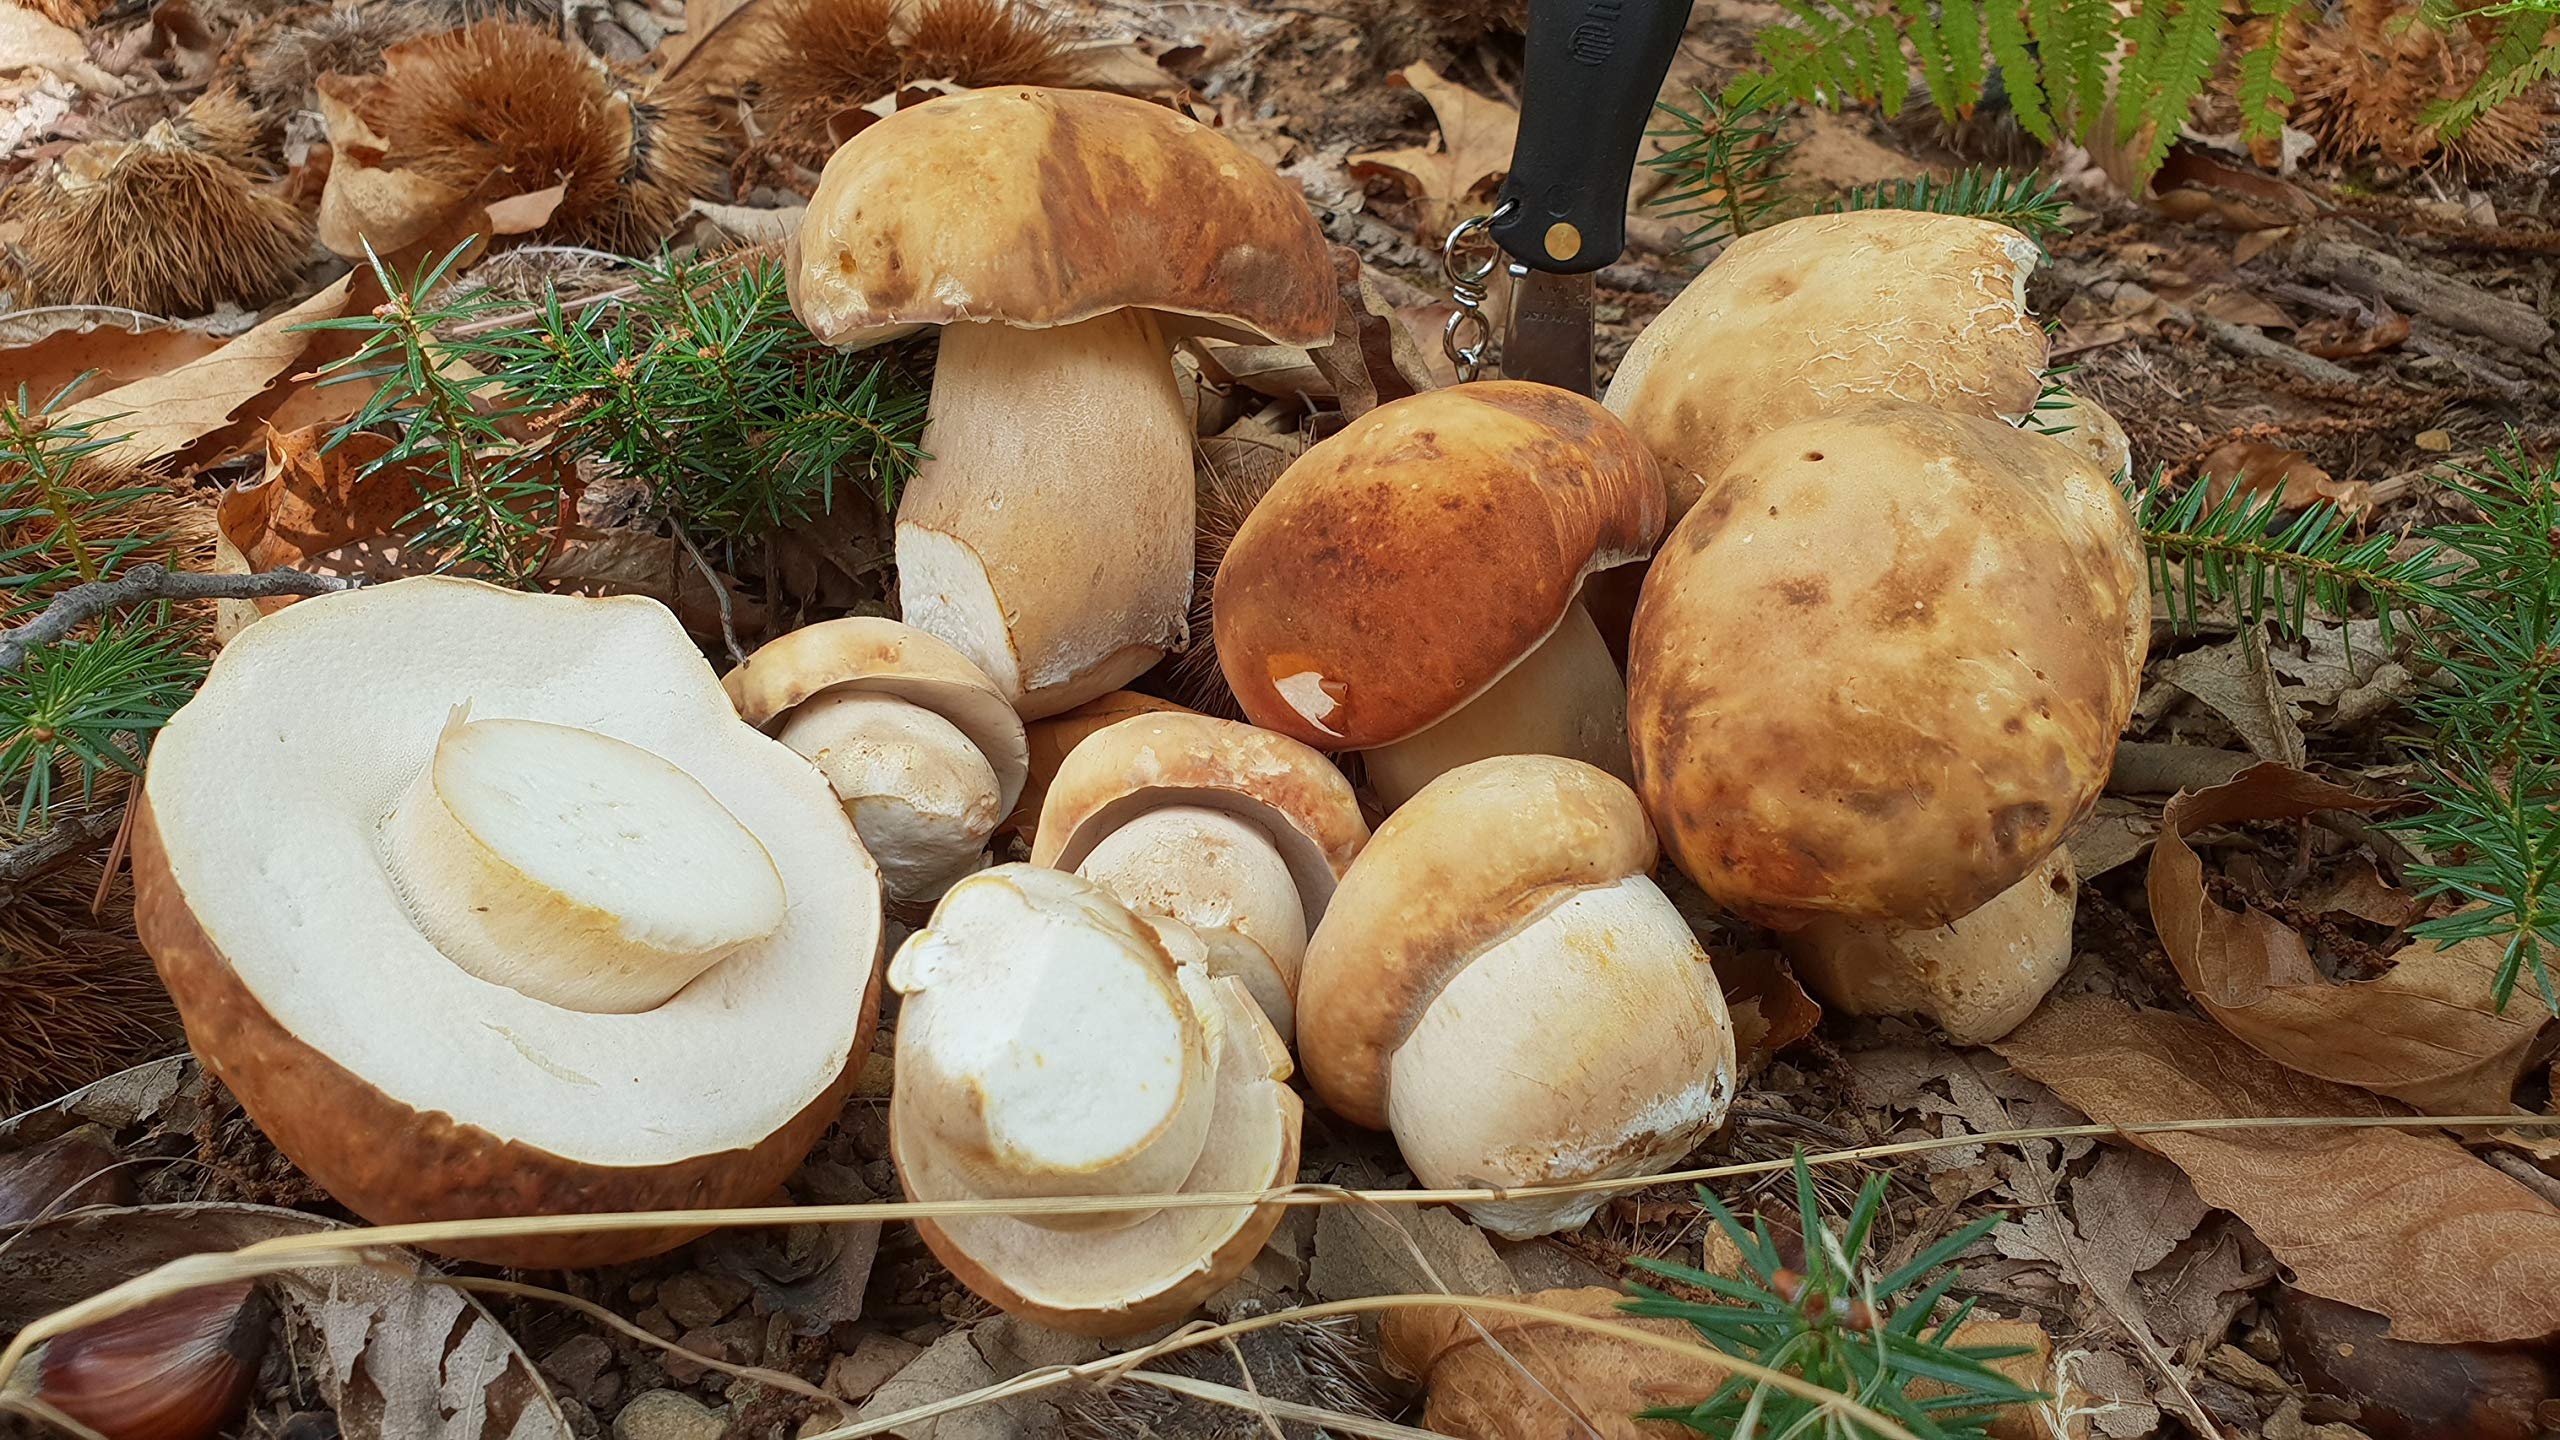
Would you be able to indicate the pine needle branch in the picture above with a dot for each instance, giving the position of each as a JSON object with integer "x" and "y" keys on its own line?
{"x": 1997, "y": 195}
{"x": 1726, "y": 161}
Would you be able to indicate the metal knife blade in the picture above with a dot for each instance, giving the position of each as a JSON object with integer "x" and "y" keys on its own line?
{"x": 1548, "y": 335}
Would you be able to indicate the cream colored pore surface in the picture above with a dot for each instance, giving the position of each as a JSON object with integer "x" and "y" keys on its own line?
{"x": 269, "y": 790}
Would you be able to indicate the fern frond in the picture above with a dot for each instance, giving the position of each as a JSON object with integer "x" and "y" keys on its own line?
{"x": 2263, "y": 96}
{"x": 2006, "y": 32}
{"x": 2014, "y": 200}
{"x": 2079, "y": 39}
{"x": 1929, "y": 45}
{"x": 2524, "y": 54}
{"x": 2165, "y": 74}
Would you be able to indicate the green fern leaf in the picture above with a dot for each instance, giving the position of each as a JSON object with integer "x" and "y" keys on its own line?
{"x": 1929, "y": 46}
{"x": 2006, "y": 30}
{"x": 2190, "y": 47}
{"x": 1960, "y": 21}
{"x": 2523, "y": 56}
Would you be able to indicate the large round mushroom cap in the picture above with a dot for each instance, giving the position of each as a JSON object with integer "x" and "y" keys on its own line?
{"x": 1400, "y": 568}
{"x": 1828, "y": 313}
{"x": 1500, "y": 982}
{"x": 1039, "y": 1011}
{"x": 1035, "y": 207}
{"x": 1881, "y": 667}
{"x": 269, "y": 879}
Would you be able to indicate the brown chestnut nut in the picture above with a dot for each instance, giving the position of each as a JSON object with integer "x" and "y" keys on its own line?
{"x": 176, "y": 1369}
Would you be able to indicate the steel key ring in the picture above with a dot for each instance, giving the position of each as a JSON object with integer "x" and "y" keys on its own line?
{"x": 1467, "y": 288}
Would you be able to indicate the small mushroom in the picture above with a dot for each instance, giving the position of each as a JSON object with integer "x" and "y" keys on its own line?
{"x": 592, "y": 945}
{"x": 1056, "y": 737}
{"x": 1056, "y": 235}
{"x": 1052, "y": 1044}
{"x": 1829, "y": 313}
{"x": 1410, "y": 587}
{"x": 1500, "y": 983}
{"x": 1978, "y": 976}
{"x": 1881, "y": 667}
{"x": 1238, "y": 833}
{"x": 926, "y": 753}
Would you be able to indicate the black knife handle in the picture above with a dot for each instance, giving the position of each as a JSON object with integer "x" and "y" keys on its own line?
{"x": 1594, "y": 67}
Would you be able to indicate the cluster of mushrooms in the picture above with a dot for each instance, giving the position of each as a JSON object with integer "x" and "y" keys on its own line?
{"x": 489, "y": 903}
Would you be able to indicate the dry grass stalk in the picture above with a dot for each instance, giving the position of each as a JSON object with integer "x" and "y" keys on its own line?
{"x": 2364, "y": 80}
{"x": 174, "y": 222}
{"x": 503, "y": 108}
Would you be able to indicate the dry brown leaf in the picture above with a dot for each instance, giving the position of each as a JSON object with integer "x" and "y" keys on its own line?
{"x": 753, "y": 224}
{"x": 1770, "y": 1010}
{"x": 2403, "y": 1223}
{"x": 1450, "y": 177}
{"x": 2239, "y": 307}
{"x": 119, "y": 346}
{"x": 313, "y": 503}
{"x": 166, "y": 413}
{"x": 2263, "y": 469}
{"x": 712, "y": 41}
{"x": 2237, "y": 682}
{"x": 29, "y": 41}
{"x": 634, "y": 562}
{"x": 2424, "y": 1032}
{"x": 2344, "y": 337}
{"x": 402, "y": 1358}
{"x": 2256, "y": 243}
{"x": 1375, "y": 357}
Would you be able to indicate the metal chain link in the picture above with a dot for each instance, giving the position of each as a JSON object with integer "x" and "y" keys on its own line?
{"x": 1467, "y": 288}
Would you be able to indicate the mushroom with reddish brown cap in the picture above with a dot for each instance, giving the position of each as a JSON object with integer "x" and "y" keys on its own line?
{"x": 1056, "y": 235}
{"x": 1238, "y": 833}
{"x": 1829, "y": 313}
{"x": 1052, "y": 1044}
{"x": 1880, "y": 668}
{"x": 1409, "y": 588}
{"x": 1500, "y": 983}
{"x": 926, "y": 753}
{"x": 486, "y": 903}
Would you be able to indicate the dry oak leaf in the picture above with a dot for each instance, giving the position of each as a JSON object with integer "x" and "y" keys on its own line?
{"x": 314, "y": 501}
{"x": 29, "y": 41}
{"x": 2424, "y": 1032}
{"x": 2289, "y": 475}
{"x": 111, "y": 347}
{"x": 1476, "y": 136}
{"x": 2405, "y": 1224}
{"x": 167, "y": 412}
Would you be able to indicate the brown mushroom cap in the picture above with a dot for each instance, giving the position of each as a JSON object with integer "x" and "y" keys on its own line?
{"x": 1881, "y": 667}
{"x": 1055, "y": 737}
{"x": 407, "y": 1087}
{"x": 1036, "y": 207}
{"x": 1475, "y": 857}
{"x": 1827, "y": 313}
{"x": 867, "y": 653}
{"x": 1150, "y": 761}
{"x": 1401, "y": 567}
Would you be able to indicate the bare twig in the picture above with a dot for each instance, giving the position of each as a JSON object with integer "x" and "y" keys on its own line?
{"x": 82, "y": 603}
{"x": 20, "y": 864}
{"x": 719, "y": 595}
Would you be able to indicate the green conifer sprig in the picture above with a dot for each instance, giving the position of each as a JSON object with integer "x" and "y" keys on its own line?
{"x": 1727, "y": 159}
{"x": 2011, "y": 199}
{"x": 52, "y": 508}
{"x": 89, "y": 707}
{"x": 1841, "y": 1323}
{"x": 2480, "y": 603}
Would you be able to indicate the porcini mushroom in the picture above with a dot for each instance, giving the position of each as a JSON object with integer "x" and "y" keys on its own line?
{"x": 1881, "y": 667}
{"x": 1978, "y": 977}
{"x": 1828, "y": 313}
{"x": 1409, "y": 587}
{"x": 1056, "y": 235}
{"x": 1050, "y": 1043}
{"x": 1500, "y": 983}
{"x": 2085, "y": 426}
{"x": 926, "y": 753}
{"x": 592, "y": 945}
{"x": 1238, "y": 833}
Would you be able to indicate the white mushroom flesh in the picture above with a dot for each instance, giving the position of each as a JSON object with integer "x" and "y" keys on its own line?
{"x": 1220, "y": 875}
{"x": 1591, "y": 1044}
{"x": 1564, "y": 698}
{"x": 922, "y": 797}
{"x": 1049, "y": 539}
{"x": 1048, "y": 1047}
{"x": 574, "y": 868}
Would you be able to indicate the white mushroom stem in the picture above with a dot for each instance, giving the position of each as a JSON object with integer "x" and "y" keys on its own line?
{"x": 1564, "y": 698}
{"x": 1073, "y": 1063}
{"x": 1049, "y": 537}
{"x": 1549, "y": 1034}
{"x": 1978, "y": 978}
{"x": 574, "y": 868}
{"x": 1220, "y": 876}
{"x": 921, "y": 796}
